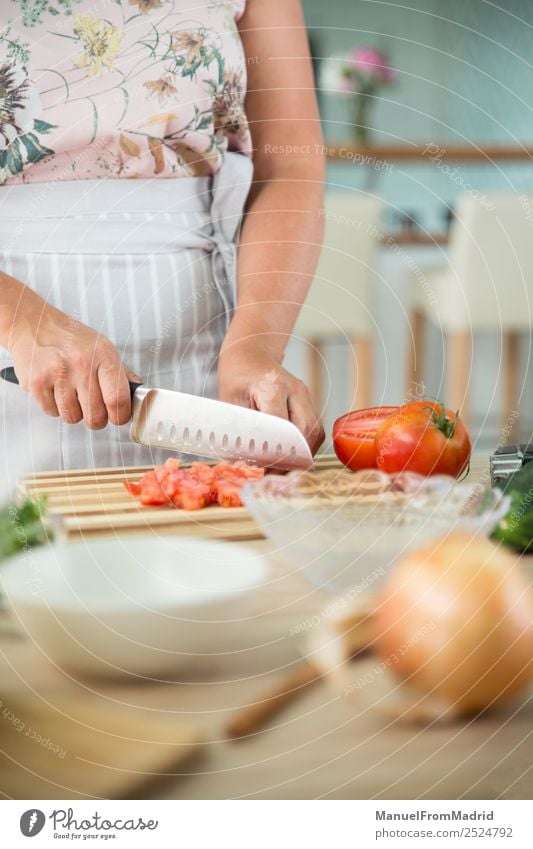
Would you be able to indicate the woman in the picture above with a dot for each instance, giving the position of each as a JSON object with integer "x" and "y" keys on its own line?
{"x": 126, "y": 136}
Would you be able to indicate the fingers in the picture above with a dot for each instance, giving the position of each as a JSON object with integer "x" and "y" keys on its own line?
{"x": 115, "y": 389}
{"x": 270, "y": 395}
{"x": 106, "y": 396}
{"x": 280, "y": 394}
{"x": 47, "y": 402}
{"x": 92, "y": 403}
{"x": 101, "y": 396}
{"x": 67, "y": 404}
{"x": 42, "y": 390}
{"x": 302, "y": 413}
{"x": 40, "y": 386}
{"x": 94, "y": 396}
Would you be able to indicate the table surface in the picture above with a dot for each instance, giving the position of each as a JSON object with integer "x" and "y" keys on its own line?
{"x": 319, "y": 746}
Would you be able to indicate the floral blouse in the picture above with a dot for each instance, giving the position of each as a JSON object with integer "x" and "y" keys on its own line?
{"x": 119, "y": 88}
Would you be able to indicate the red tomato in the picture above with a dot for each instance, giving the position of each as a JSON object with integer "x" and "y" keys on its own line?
{"x": 247, "y": 471}
{"x": 192, "y": 495}
{"x": 228, "y": 494}
{"x": 225, "y": 470}
{"x": 353, "y": 436}
{"x": 235, "y": 478}
{"x": 170, "y": 486}
{"x": 423, "y": 437}
{"x": 151, "y": 491}
{"x": 202, "y": 473}
{"x": 195, "y": 487}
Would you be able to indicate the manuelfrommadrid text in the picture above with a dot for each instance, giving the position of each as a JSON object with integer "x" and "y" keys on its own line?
{"x": 436, "y": 815}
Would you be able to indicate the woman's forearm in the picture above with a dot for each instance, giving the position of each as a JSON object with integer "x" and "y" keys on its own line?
{"x": 18, "y": 303}
{"x": 279, "y": 248}
{"x": 278, "y": 253}
{"x": 282, "y": 229}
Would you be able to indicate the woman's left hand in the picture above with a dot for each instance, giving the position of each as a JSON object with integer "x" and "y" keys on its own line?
{"x": 252, "y": 377}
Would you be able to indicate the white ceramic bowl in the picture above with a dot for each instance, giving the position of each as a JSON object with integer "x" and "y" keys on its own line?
{"x": 146, "y": 605}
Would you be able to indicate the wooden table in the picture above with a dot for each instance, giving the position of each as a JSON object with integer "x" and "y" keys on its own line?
{"x": 418, "y": 152}
{"x": 318, "y": 747}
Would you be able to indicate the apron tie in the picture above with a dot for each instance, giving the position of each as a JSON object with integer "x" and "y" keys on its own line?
{"x": 229, "y": 189}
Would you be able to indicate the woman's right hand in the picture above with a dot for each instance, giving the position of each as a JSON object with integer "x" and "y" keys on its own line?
{"x": 69, "y": 369}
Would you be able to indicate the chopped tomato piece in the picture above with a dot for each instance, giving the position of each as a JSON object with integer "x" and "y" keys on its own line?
{"x": 249, "y": 472}
{"x": 195, "y": 487}
{"x": 203, "y": 473}
{"x": 228, "y": 494}
{"x": 151, "y": 490}
{"x": 220, "y": 469}
{"x": 153, "y": 496}
{"x": 170, "y": 487}
{"x": 192, "y": 496}
{"x": 132, "y": 487}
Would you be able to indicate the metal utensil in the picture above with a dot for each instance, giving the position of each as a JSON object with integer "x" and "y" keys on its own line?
{"x": 200, "y": 426}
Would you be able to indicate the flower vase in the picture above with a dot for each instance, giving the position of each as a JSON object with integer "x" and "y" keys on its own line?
{"x": 363, "y": 106}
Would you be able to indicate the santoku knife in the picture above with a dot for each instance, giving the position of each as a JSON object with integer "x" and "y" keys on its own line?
{"x": 200, "y": 426}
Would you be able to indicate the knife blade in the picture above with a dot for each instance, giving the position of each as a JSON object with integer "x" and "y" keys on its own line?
{"x": 190, "y": 424}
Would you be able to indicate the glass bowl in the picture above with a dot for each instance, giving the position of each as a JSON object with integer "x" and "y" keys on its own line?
{"x": 347, "y": 529}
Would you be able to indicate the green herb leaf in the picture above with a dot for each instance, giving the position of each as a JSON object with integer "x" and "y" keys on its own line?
{"x": 23, "y": 526}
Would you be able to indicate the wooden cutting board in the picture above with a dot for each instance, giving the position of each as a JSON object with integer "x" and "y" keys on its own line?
{"x": 77, "y": 749}
{"x": 95, "y": 501}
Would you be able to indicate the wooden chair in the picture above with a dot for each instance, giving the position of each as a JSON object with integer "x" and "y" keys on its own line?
{"x": 338, "y": 304}
{"x": 487, "y": 285}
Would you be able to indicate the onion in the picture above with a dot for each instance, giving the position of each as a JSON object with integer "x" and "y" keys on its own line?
{"x": 455, "y": 619}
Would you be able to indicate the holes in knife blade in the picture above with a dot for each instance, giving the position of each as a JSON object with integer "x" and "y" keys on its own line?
{"x": 225, "y": 442}
{"x": 212, "y": 440}
{"x": 186, "y": 436}
{"x": 160, "y": 431}
{"x": 251, "y": 446}
{"x": 238, "y": 443}
{"x": 279, "y": 449}
{"x": 173, "y": 433}
{"x": 293, "y": 451}
{"x": 264, "y": 448}
{"x": 199, "y": 437}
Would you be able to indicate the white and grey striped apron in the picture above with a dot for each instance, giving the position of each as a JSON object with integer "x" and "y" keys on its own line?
{"x": 148, "y": 263}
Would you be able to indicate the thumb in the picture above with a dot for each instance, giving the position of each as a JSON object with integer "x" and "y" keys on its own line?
{"x": 132, "y": 376}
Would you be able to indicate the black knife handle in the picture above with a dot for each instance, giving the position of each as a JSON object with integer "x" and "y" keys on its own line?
{"x": 9, "y": 375}
{"x": 133, "y": 388}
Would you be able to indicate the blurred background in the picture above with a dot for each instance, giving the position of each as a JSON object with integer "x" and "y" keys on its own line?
{"x": 427, "y": 116}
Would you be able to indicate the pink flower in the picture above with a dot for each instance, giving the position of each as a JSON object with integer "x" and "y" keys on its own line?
{"x": 374, "y": 63}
